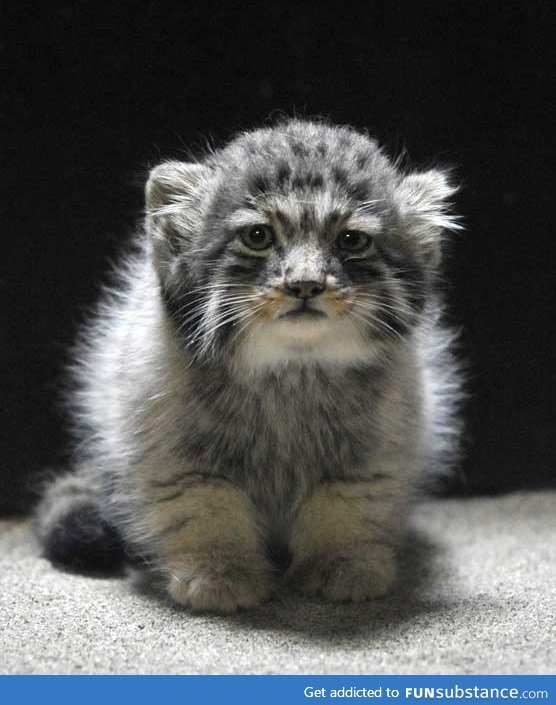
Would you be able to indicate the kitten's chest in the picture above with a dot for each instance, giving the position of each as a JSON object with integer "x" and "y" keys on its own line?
{"x": 301, "y": 423}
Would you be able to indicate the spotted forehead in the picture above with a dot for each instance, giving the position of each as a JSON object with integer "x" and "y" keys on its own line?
{"x": 305, "y": 157}
{"x": 304, "y": 177}
{"x": 307, "y": 177}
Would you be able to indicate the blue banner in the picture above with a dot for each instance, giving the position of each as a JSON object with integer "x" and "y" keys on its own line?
{"x": 267, "y": 690}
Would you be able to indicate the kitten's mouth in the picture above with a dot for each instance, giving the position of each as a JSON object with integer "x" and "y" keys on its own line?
{"x": 303, "y": 311}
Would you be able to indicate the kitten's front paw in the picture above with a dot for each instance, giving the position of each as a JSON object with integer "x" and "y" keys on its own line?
{"x": 354, "y": 575}
{"x": 221, "y": 586}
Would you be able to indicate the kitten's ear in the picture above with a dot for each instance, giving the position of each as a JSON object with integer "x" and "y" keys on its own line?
{"x": 173, "y": 197}
{"x": 423, "y": 204}
{"x": 173, "y": 185}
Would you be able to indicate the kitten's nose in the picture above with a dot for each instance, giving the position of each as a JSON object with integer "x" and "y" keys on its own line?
{"x": 304, "y": 289}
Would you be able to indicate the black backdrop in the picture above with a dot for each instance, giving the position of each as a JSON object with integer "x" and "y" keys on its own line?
{"x": 96, "y": 92}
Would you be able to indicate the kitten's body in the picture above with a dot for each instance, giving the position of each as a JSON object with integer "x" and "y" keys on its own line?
{"x": 218, "y": 431}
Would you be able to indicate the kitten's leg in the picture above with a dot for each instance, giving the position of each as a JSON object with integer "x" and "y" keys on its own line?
{"x": 343, "y": 540}
{"x": 209, "y": 545}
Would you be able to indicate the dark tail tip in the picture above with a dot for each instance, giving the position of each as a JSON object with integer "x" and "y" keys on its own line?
{"x": 82, "y": 541}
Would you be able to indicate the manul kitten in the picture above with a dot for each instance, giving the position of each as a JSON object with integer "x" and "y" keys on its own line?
{"x": 270, "y": 378}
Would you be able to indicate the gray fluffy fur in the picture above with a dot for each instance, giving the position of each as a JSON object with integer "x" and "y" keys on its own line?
{"x": 216, "y": 429}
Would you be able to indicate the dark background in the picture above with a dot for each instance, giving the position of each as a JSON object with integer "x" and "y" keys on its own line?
{"x": 97, "y": 92}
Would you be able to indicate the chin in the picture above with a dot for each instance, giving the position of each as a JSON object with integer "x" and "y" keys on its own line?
{"x": 303, "y": 340}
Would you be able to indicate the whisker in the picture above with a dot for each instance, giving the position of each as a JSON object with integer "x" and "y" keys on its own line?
{"x": 220, "y": 316}
{"x": 244, "y": 315}
{"x": 226, "y": 317}
{"x": 376, "y": 321}
{"x": 203, "y": 305}
{"x": 376, "y": 304}
{"x": 214, "y": 286}
{"x": 241, "y": 329}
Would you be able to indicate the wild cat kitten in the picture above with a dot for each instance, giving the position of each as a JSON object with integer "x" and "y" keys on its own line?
{"x": 271, "y": 376}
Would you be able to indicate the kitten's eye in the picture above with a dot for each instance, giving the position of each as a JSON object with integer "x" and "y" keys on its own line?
{"x": 353, "y": 241}
{"x": 259, "y": 237}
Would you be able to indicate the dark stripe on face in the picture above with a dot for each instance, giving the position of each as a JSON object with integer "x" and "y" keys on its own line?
{"x": 245, "y": 270}
{"x": 409, "y": 274}
{"x": 188, "y": 314}
{"x": 241, "y": 267}
{"x": 184, "y": 311}
{"x": 366, "y": 268}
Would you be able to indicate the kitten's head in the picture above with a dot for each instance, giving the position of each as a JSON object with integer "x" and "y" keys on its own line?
{"x": 298, "y": 242}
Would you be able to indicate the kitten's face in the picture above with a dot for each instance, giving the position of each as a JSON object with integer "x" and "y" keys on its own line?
{"x": 298, "y": 243}
{"x": 302, "y": 277}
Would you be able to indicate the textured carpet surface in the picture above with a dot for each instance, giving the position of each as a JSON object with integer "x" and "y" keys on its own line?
{"x": 477, "y": 594}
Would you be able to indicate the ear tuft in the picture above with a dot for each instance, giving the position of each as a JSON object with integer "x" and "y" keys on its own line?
{"x": 424, "y": 196}
{"x": 171, "y": 186}
{"x": 423, "y": 203}
{"x": 174, "y": 197}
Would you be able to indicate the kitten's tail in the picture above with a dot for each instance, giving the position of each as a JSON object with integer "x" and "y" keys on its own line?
{"x": 71, "y": 529}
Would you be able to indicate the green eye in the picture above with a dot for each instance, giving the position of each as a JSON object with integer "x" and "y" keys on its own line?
{"x": 353, "y": 241}
{"x": 259, "y": 237}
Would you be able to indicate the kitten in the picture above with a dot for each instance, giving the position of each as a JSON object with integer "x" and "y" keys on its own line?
{"x": 271, "y": 377}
